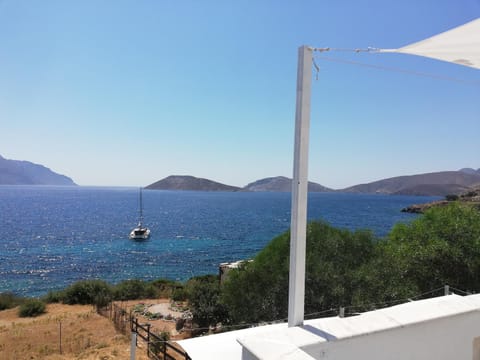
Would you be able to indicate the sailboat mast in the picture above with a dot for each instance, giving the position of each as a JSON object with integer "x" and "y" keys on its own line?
{"x": 141, "y": 207}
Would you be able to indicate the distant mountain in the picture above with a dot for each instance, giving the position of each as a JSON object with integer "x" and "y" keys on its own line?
{"x": 181, "y": 182}
{"x": 431, "y": 184}
{"x": 15, "y": 172}
{"x": 470, "y": 171}
{"x": 281, "y": 183}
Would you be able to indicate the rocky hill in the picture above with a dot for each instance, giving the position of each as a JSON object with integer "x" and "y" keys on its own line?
{"x": 432, "y": 184}
{"x": 185, "y": 182}
{"x": 281, "y": 183}
{"x": 15, "y": 172}
{"x": 470, "y": 197}
{"x": 470, "y": 171}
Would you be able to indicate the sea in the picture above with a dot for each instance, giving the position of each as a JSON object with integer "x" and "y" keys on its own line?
{"x": 51, "y": 237}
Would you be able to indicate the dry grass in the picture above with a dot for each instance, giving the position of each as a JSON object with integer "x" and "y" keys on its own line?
{"x": 85, "y": 336}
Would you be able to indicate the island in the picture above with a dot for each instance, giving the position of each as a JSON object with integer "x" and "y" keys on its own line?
{"x": 190, "y": 183}
{"x": 17, "y": 172}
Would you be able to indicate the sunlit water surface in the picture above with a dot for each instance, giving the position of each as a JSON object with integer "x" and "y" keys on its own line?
{"x": 53, "y": 236}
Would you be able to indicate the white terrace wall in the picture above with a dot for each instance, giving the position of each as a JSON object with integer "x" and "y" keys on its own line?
{"x": 450, "y": 338}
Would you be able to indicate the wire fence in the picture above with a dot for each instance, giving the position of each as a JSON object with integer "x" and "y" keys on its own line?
{"x": 159, "y": 348}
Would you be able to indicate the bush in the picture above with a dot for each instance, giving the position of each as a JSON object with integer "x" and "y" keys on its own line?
{"x": 134, "y": 289}
{"x": 179, "y": 294}
{"x": 258, "y": 291}
{"x": 157, "y": 343}
{"x": 451, "y": 197}
{"x": 94, "y": 292}
{"x": 204, "y": 300}
{"x": 441, "y": 247}
{"x": 31, "y": 308}
{"x": 179, "y": 324}
{"x": 53, "y": 297}
{"x": 9, "y": 300}
{"x": 165, "y": 287}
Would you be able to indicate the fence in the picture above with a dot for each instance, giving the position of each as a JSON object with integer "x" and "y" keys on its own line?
{"x": 158, "y": 347}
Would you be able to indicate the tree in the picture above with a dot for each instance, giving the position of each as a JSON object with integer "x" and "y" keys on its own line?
{"x": 259, "y": 290}
{"x": 203, "y": 298}
{"x": 441, "y": 247}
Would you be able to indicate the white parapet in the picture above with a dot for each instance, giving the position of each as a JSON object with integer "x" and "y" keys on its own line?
{"x": 442, "y": 328}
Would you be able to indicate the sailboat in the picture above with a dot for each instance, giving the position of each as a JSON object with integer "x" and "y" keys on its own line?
{"x": 140, "y": 232}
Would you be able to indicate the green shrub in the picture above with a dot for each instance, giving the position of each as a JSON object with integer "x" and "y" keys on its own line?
{"x": 53, "y": 297}
{"x": 134, "y": 289}
{"x": 258, "y": 291}
{"x": 179, "y": 294}
{"x": 440, "y": 247}
{"x": 204, "y": 300}
{"x": 165, "y": 287}
{"x": 157, "y": 343}
{"x": 179, "y": 324}
{"x": 94, "y": 292}
{"x": 470, "y": 194}
{"x": 9, "y": 300}
{"x": 31, "y": 308}
{"x": 451, "y": 197}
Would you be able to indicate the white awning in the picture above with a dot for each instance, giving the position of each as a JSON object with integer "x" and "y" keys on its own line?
{"x": 460, "y": 45}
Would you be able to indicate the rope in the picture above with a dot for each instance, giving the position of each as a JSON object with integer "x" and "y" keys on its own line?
{"x": 428, "y": 292}
{"x": 357, "y": 50}
{"x": 321, "y": 312}
{"x": 399, "y": 301}
{"x": 461, "y": 291}
{"x": 399, "y": 70}
{"x": 317, "y": 68}
{"x": 371, "y": 305}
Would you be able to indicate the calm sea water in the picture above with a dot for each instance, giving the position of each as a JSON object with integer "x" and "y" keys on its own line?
{"x": 53, "y": 236}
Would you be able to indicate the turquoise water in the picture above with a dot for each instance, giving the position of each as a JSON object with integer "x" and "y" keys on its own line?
{"x": 53, "y": 236}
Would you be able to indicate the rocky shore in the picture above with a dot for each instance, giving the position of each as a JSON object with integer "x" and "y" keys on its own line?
{"x": 471, "y": 197}
{"x": 421, "y": 208}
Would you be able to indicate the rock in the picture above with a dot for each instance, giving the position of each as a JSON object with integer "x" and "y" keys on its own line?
{"x": 421, "y": 208}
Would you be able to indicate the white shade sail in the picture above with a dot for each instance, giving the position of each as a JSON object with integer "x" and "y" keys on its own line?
{"x": 460, "y": 45}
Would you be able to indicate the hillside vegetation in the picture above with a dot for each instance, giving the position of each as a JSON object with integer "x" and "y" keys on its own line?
{"x": 357, "y": 270}
{"x": 469, "y": 198}
{"x": 354, "y": 270}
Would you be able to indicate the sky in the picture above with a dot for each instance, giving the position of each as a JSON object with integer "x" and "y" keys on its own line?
{"x": 125, "y": 93}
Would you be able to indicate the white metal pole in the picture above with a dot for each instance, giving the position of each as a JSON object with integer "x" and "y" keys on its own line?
{"x": 298, "y": 228}
{"x": 133, "y": 346}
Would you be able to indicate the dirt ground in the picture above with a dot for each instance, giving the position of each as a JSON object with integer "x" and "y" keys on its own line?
{"x": 157, "y": 306}
{"x": 85, "y": 335}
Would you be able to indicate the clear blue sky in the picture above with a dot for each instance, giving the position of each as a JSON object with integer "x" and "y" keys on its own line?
{"x": 128, "y": 92}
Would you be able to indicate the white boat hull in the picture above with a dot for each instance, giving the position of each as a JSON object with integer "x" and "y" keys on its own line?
{"x": 139, "y": 234}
